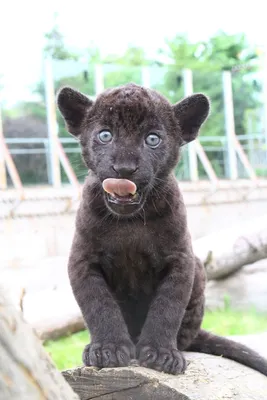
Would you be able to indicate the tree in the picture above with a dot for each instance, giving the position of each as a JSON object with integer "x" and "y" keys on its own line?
{"x": 207, "y": 61}
{"x": 55, "y": 44}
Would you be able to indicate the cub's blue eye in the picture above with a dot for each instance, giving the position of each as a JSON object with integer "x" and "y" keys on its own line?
{"x": 153, "y": 140}
{"x": 105, "y": 137}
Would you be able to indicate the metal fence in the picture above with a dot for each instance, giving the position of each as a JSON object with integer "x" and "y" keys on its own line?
{"x": 32, "y": 158}
{"x": 232, "y": 144}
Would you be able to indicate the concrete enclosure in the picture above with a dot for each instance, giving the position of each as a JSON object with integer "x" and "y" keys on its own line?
{"x": 43, "y": 225}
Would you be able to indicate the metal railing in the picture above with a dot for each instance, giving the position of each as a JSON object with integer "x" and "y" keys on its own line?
{"x": 55, "y": 160}
{"x": 32, "y": 155}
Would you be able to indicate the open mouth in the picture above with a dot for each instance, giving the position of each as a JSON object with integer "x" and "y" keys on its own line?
{"x": 121, "y": 192}
{"x": 124, "y": 200}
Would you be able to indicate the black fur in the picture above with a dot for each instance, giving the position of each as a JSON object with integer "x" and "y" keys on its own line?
{"x": 131, "y": 267}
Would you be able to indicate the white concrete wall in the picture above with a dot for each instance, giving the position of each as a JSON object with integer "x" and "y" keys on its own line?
{"x": 24, "y": 241}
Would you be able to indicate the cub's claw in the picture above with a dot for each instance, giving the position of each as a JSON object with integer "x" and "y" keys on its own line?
{"x": 162, "y": 359}
{"x": 108, "y": 355}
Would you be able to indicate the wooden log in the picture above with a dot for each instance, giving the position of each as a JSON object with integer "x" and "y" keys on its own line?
{"x": 207, "y": 378}
{"x": 226, "y": 251}
{"x": 26, "y": 371}
{"x": 53, "y": 313}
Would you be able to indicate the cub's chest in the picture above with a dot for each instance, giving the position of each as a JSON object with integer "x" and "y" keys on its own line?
{"x": 130, "y": 259}
{"x": 131, "y": 268}
{"x": 122, "y": 236}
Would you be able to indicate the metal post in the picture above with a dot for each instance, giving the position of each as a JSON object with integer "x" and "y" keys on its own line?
{"x": 264, "y": 77}
{"x": 48, "y": 166}
{"x": 52, "y": 123}
{"x": 192, "y": 154}
{"x": 229, "y": 124}
{"x": 99, "y": 79}
{"x": 146, "y": 76}
{"x": 3, "y": 179}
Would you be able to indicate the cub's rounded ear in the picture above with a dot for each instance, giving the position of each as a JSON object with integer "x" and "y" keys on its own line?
{"x": 73, "y": 106}
{"x": 191, "y": 112}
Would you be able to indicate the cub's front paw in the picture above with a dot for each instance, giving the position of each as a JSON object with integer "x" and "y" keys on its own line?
{"x": 169, "y": 360}
{"x": 108, "y": 354}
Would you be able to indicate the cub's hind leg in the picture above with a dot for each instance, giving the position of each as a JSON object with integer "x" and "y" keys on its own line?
{"x": 191, "y": 325}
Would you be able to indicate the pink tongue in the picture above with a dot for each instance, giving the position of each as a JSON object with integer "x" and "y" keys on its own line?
{"x": 121, "y": 187}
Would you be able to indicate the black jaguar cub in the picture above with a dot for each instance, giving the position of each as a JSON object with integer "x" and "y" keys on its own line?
{"x": 132, "y": 269}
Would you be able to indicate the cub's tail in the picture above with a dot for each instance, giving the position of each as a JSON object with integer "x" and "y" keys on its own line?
{"x": 208, "y": 343}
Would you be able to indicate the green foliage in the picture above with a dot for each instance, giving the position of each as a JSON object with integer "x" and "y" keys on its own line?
{"x": 66, "y": 352}
{"x": 38, "y": 110}
{"x": 133, "y": 57}
{"x": 207, "y": 61}
{"x": 55, "y": 44}
{"x": 115, "y": 75}
{"x": 232, "y": 322}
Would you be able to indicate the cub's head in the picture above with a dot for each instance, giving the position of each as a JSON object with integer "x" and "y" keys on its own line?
{"x": 131, "y": 134}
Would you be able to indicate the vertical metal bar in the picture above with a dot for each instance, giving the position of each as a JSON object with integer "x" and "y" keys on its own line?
{"x": 264, "y": 77}
{"x": 48, "y": 165}
{"x": 146, "y": 76}
{"x": 3, "y": 179}
{"x": 99, "y": 79}
{"x": 192, "y": 154}
{"x": 52, "y": 123}
{"x": 225, "y": 160}
{"x": 229, "y": 124}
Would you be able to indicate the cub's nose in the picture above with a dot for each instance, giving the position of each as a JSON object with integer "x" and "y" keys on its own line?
{"x": 125, "y": 170}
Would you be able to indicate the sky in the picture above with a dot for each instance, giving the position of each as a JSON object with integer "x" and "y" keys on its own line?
{"x": 111, "y": 25}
